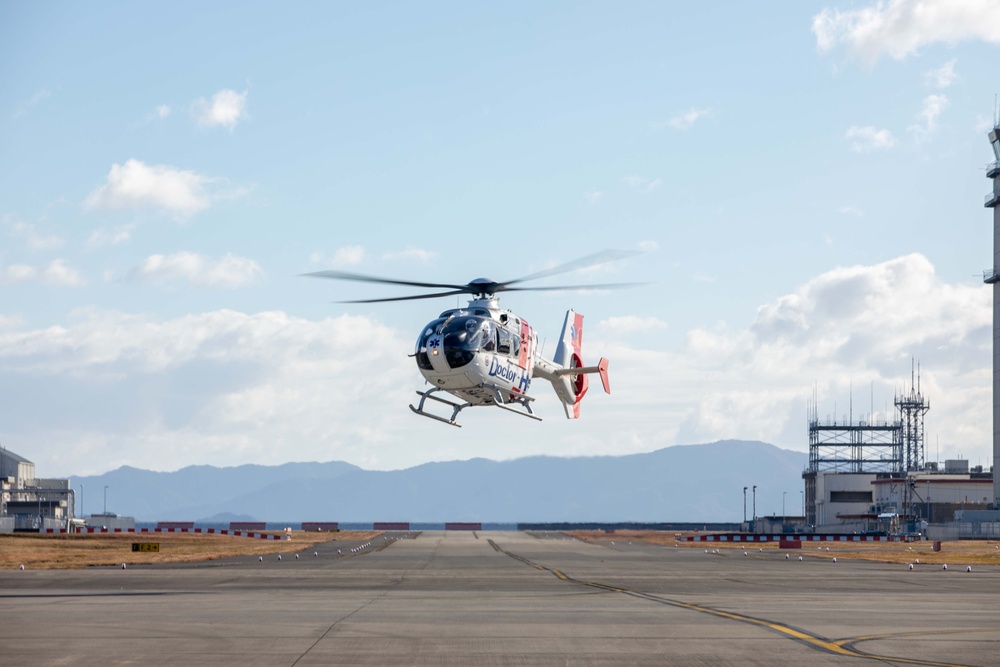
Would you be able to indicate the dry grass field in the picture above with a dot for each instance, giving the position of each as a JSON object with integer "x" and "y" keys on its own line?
{"x": 959, "y": 553}
{"x": 35, "y": 551}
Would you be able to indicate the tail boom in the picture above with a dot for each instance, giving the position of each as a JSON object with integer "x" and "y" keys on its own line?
{"x": 566, "y": 372}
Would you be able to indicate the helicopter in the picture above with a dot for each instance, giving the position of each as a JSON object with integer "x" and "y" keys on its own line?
{"x": 485, "y": 355}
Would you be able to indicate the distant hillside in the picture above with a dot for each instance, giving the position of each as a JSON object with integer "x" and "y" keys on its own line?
{"x": 681, "y": 483}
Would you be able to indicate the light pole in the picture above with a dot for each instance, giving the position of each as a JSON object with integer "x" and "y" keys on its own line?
{"x": 81, "y": 501}
{"x": 754, "y": 509}
{"x": 744, "y": 504}
{"x": 105, "y": 500}
{"x": 783, "y": 494}
{"x": 803, "y": 494}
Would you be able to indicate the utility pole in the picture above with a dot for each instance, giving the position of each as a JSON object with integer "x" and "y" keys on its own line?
{"x": 754, "y": 509}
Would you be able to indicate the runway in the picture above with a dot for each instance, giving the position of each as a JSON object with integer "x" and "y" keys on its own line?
{"x": 503, "y": 598}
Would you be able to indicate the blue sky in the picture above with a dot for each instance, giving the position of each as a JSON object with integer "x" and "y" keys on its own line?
{"x": 805, "y": 181}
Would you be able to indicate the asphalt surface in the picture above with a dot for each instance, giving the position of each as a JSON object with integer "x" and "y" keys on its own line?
{"x": 504, "y": 598}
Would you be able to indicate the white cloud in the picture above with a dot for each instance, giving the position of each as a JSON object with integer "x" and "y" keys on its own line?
{"x": 642, "y": 184}
{"x": 10, "y": 321}
{"x": 34, "y": 239}
{"x": 852, "y": 210}
{"x": 138, "y": 185}
{"x": 221, "y": 387}
{"x": 226, "y": 387}
{"x": 230, "y": 271}
{"x": 859, "y": 324}
{"x": 31, "y": 103}
{"x": 685, "y": 120}
{"x": 105, "y": 237}
{"x": 593, "y": 196}
{"x": 931, "y": 110}
{"x": 226, "y": 108}
{"x": 899, "y": 28}
{"x": 867, "y": 138}
{"x": 942, "y": 77}
{"x": 648, "y": 246}
{"x": 351, "y": 255}
{"x": 56, "y": 273}
{"x": 417, "y": 254}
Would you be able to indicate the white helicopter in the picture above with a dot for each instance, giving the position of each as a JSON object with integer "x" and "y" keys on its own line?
{"x": 486, "y": 355}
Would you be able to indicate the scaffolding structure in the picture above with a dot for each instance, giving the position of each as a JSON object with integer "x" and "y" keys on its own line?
{"x": 889, "y": 448}
{"x": 862, "y": 446}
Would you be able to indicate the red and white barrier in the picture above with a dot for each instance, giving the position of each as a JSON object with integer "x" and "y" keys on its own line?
{"x": 803, "y": 538}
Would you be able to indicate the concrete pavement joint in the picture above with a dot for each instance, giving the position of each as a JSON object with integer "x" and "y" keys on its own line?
{"x": 842, "y": 647}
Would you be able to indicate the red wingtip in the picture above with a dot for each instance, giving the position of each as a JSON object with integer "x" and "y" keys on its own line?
{"x": 602, "y": 368}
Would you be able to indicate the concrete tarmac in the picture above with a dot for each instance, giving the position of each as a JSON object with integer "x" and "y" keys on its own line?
{"x": 504, "y": 598}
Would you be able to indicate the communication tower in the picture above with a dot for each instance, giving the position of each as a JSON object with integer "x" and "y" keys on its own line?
{"x": 912, "y": 408}
{"x": 992, "y": 277}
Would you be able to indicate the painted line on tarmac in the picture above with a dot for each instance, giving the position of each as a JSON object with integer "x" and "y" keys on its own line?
{"x": 843, "y": 647}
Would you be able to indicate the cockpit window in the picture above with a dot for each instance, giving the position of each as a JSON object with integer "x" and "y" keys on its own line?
{"x": 466, "y": 335}
{"x": 423, "y": 361}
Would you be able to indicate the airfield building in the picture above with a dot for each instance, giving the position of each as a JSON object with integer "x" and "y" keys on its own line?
{"x": 871, "y": 475}
{"x": 29, "y": 503}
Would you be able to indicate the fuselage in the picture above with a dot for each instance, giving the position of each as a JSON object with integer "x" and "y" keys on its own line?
{"x": 476, "y": 351}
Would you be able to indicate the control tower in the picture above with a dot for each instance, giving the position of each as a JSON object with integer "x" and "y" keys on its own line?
{"x": 992, "y": 277}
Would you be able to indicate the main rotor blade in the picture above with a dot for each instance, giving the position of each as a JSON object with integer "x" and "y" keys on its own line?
{"x": 359, "y": 277}
{"x": 410, "y": 298}
{"x": 569, "y": 287}
{"x": 602, "y": 257}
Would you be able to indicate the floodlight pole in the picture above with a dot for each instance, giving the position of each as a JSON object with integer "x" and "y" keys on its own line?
{"x": 105, "y": 500}
{"x": 754, "y": 509}
{"x": 745, "y": 504}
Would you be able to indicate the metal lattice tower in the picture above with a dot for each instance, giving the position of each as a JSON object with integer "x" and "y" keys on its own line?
{"x": 912, "y": 408}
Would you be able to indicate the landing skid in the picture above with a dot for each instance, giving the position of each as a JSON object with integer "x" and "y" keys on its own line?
{"x": 521, "y": 399}
{"x": 424, "y": 395}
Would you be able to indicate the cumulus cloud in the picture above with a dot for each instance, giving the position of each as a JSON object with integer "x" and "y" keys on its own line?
{"x": 56, "y": 273}
{"x": 899, "y": 28}
{"x": 857, "y": 324}
{"x": 930, "y": 111}
{"x": 225, "y": 109}
{"x": 351, "y": 255}
{"x": 942, "y": 77}
{"x": 34, "y": 239}
{"x": 230, "y": 271}
{"x": 138, "y": 185}
{"x": 593, "y": 196}
{"x": 685, "y": 120}
{"x": 221, "y": 387}
{"x": 868, "y": 138}
{"x": 105, "y": 237}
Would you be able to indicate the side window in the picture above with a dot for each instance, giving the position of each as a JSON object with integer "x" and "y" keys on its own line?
{"x": 516, "y": 351}
{"x": 503, "y": 346}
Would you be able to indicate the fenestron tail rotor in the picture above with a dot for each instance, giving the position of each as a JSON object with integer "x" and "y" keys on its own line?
{"x": 483, "y": 287}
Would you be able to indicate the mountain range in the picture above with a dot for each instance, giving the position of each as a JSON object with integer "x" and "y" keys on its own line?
{"x": 683, "y": 483}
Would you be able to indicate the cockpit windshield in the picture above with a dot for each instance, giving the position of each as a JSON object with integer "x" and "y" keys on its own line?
{"x": 470, "y": 333}
{"x": 464, "y": 336}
